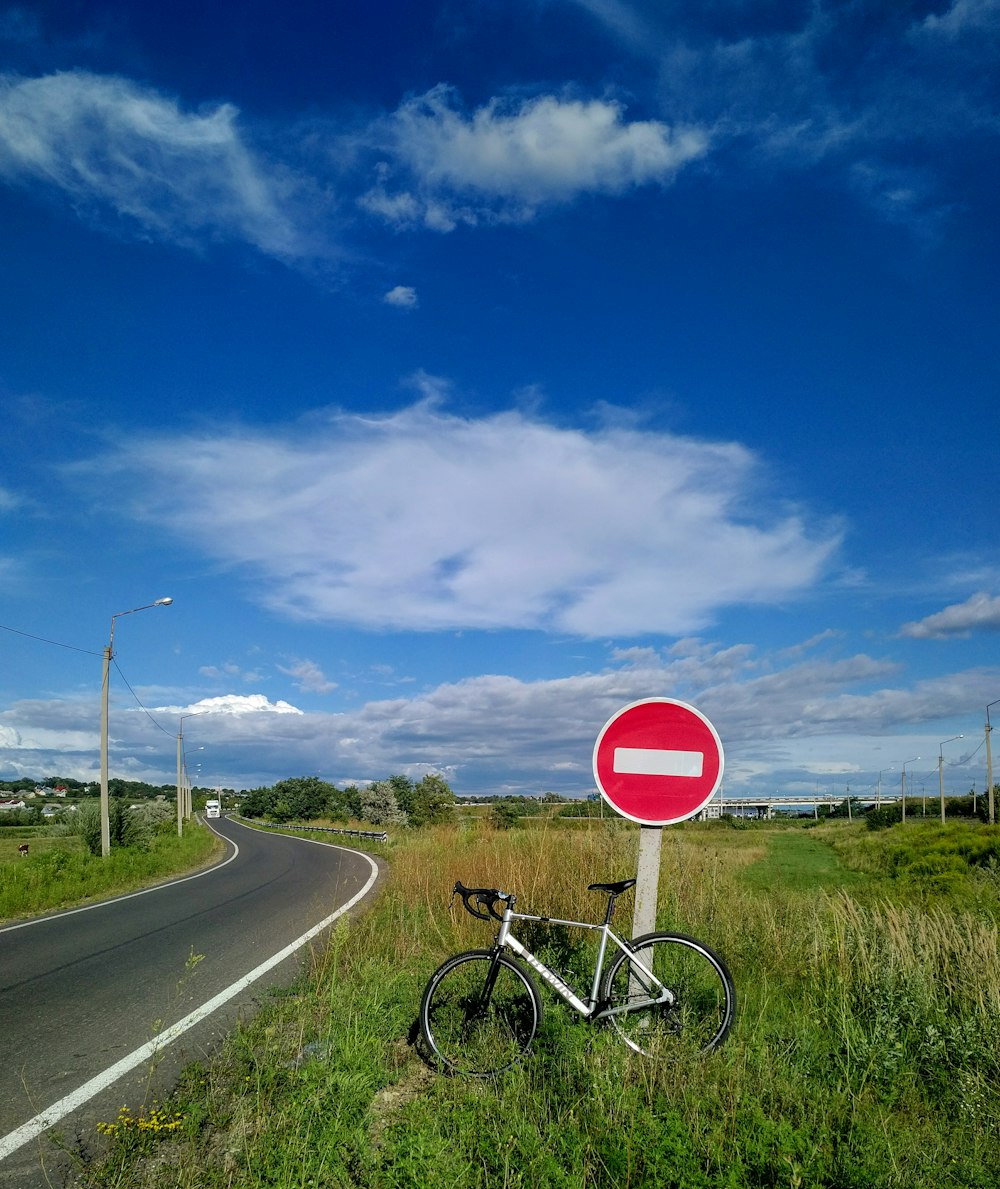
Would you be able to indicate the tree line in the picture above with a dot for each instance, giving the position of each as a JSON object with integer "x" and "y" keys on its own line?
{"x": 396, "y": 800}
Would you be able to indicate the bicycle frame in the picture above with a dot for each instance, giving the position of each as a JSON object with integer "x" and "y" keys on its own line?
{"x": 591, "y": 1007}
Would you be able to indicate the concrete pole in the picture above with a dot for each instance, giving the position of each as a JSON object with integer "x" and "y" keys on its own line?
{"x": 180, "y": 794}
{"x": 105, "y": 806}
{"x": 647, "y": 880}
{"x": 941, "y": 781}
{"x": 105, "y": 681}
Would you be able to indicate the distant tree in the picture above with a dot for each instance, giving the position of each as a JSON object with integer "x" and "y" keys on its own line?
{"x": 842, "y": 809}
{"x": 379, "y": 805}
{"x": 403, "y": 790}
{"x": 583, "y": 809}
{"x": 432, "y": 801}
{"x": 20, "y": 817}
{"x": 65, "y": 782}
{"x": 87, "y": 823}
{"x": 345, "y": 804}
{"x": 303, "y": 797}
{"x": 506, "y": 813}
{"x": 127, "y": 826}
{"x": 880, "y": 817}
{"x": 258, "y": 802}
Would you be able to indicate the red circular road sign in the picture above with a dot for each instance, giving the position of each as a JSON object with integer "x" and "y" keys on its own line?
{"x": 658, "y": 761}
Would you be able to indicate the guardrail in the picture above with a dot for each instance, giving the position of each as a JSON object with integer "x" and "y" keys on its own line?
{"x": 376, "y": 835}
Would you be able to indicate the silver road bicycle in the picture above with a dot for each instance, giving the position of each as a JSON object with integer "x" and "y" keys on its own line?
{"x": 481, "y": 1010}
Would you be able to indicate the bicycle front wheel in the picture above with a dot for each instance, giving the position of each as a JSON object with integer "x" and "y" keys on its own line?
{"x": 702, "y": 1000}
{"x": 474, "y": 1027}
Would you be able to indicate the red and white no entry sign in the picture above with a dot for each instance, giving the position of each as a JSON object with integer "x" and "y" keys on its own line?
{"x": 658, "y": 761}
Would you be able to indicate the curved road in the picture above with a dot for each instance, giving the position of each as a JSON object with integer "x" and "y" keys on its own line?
{"x": 170, "y": 969}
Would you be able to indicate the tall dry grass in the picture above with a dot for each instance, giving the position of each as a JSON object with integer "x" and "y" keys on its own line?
{"x": 862, "y": 1055}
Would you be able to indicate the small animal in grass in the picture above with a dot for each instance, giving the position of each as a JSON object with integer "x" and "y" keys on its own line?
{"x": 22, "y": 850}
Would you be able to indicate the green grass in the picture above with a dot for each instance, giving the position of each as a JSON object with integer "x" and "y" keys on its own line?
{"x": 59, "y": 873}
{"x": 799, "y": 860}
{"x": 40, "y": 840}
{"x": 863, "y": 1056}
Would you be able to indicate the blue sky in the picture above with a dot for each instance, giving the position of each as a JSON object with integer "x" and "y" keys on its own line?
{"x": 467, "y": 371}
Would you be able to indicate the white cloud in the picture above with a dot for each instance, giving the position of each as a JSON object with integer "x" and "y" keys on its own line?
{"x": 309, "y": 677}
{"x": 238, "y": 704}
{"x": 229, "y": 670}
{"x": 403, "y": 296}
{"x": 116, "y": 148}
{"x": 806, "y": 86}
{"x": 422, "y": 520}
{"x": 509, "y": 158}
{"x": 962, "y": 17}
{"x": 981, "y": 612}
{"x": 782, "y": 725}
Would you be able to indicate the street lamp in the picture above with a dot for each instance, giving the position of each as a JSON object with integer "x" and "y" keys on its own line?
{"x": 902, "y": 784}
{"x": 108, "y": 654}
{"x": 941, "y": 770}
{"x": 878, "y": 786}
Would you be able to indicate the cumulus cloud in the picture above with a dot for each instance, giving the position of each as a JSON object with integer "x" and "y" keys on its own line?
{"x": 981, "y": 613}
{"x": 508, "y": 158}
{"x": 423, "y": 520}
{"x": 238, "y": 704}
{"x": 403, "y": 296}
{"x": 119, "y": 150}
{"x": 778, "y": 720}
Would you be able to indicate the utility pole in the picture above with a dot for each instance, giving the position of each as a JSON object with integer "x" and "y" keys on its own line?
{"x": 989, "y": 767}
{"x": 941, "y": 770}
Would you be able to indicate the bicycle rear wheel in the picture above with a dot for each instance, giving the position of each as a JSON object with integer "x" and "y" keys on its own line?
{"x": 704, "y": 998}
{"x": 472, "y": 1028}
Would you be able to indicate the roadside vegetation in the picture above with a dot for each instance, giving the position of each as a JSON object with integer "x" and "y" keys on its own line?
{"x": 63, "y": 866}
{"x": 864, "y": 1053}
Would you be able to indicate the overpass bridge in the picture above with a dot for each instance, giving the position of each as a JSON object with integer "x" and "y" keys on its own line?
{"x": 764, "y": 807}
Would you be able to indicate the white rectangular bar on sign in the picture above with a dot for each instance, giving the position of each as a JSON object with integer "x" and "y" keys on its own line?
{"x": 649, "y": 761}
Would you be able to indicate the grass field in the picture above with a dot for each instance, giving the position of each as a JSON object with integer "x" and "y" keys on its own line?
{"x": 864, "y": 1053}
{"x": 59, "y": 872}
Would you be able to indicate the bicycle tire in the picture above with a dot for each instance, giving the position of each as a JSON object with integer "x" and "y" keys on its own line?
{"x": 705, "y": 997}
{"x": 462, "y": 1036}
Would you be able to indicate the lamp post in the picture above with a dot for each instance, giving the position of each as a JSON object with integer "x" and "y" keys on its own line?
{"x": 878, "y": 786}
{"x": 902, "y": 783}
{"x": 989, "y": 766}
{"x": 105, "y": 680}
{"x": 941, "y": 770}
{"x": 182, "y": 800}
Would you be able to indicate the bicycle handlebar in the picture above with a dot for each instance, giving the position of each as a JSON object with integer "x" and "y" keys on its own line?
{"x": 485, "y": 899}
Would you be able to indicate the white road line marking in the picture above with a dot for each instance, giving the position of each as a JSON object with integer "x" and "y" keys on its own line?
{"x": 650, "y": 761}
{"x": 59, "y": 1110}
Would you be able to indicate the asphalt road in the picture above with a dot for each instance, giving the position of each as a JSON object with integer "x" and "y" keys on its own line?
{"x": 82, "y": 991}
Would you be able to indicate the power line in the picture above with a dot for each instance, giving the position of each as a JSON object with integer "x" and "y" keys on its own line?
{"x": 72, "y": 647}
{"x": 140, "y": 705}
